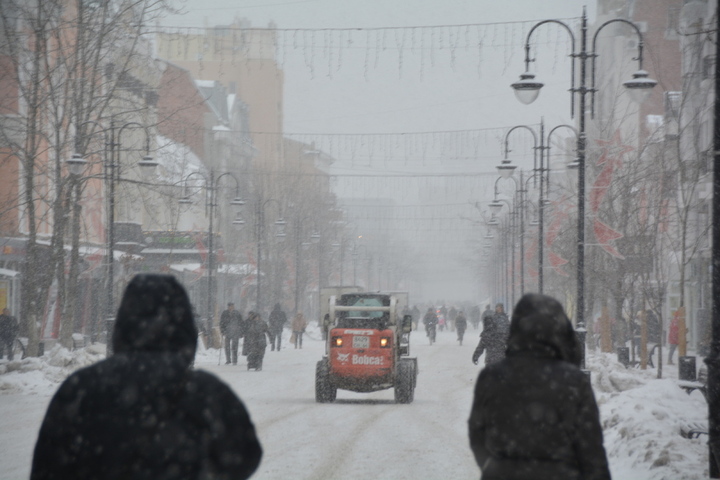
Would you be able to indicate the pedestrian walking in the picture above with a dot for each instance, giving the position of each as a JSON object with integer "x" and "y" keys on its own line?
{"x": 143, "y": 413}
{"x": 415, "y": 312}
{"x": 299, "y": 324}
{"x": 475, "y": 317}
{"x": 652, "y": 321}
{"x": 493, "y": 337}
{"x": 232, "y": 328}
{"x": 534, "y": 415}
{"x": 8, "y": 333}
{"x": 430, "y": 320}
{"x": 255, "y": 341}
{"x": 450, "y": 319}
{"x": 486, "y": 313}
{"x": 277, "y": 321}
{"x": 460, "y": 325}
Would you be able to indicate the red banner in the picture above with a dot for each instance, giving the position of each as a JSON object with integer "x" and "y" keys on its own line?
{"x": 604, "y": 235}
{"x": 556, "y": 261}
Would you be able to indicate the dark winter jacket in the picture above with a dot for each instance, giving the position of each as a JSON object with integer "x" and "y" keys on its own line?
{"x": 232, "y": 324}
{"x": 143, "y": 413}
{"x": 8, "y": 328}
{"x": 277, "y": 319}
{"x": 493, "y": 339}
{"x": 534, "y": 414}
{"x": 255, "y": 336}
{"x": 460, "y": 322}
{"x": 430, "y": 319}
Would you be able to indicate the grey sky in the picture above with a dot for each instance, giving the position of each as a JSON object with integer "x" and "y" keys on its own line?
{"x": 399, "y": 87}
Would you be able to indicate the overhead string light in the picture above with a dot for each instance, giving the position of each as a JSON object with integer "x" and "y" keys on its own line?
{"x": 425, "y": 44}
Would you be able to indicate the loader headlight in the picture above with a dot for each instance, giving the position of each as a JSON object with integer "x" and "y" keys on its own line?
{"x": 384, "y": 342}
{"x": 337, "y": 341}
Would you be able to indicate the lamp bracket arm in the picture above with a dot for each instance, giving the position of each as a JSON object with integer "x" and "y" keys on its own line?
{"x": 639, "y": 58}
{"x": 558, "y": 22}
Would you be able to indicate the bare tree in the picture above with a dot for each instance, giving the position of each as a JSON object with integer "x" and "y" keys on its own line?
{"x": 71, "y": 66}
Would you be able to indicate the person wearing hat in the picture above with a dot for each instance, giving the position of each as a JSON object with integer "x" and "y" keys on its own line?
{"x": 231, "y": 327}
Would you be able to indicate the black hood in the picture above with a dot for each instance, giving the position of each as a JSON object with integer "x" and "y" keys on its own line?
{"x": 539, "y": 327}
{"x": 155, "y": 316}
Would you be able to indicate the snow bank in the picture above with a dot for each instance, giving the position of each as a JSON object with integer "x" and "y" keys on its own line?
{"x": 41, "y": 375}
{"x": 642, "y": 419}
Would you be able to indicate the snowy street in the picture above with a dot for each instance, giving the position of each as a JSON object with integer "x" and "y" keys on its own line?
{"x": 363, "y": 436}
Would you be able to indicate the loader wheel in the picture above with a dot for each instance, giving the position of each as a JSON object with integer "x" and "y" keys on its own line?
{"x": 405, "y": 383}
{"x": 325, "y": 392}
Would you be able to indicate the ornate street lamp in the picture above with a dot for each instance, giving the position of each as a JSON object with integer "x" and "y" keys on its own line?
{"x": 211, "y": 185}
{"x": 527, "y": 90}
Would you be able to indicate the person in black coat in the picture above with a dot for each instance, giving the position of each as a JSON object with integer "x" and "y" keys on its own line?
{"x": 493, "y": 338}
{"x": 8, "y": 332}
{"x": 143, "y": 413}
{"x": 460, "y": 325}
{"x": 232, "y": 328}
{"x": 255, "y": 341}
{"x": 534, "y": 414}
{"x": 430, "y": 320}
{"x": 277, "y": 320}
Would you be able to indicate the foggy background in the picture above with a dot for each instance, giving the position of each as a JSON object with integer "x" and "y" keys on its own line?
{"x": 414, "y": 117}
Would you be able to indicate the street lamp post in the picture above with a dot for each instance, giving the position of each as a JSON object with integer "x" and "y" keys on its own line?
{"x": 111, "y": 164}
{"x": 314, "y": 237}
{"x": 341, "y": 247}
{"x": 527, "y": 90}
{"x": 500, "y": 273}
{"x": 541, "y": 170}
{"x": 513, "y": 211}
{"x": 355, "y": 255}
{"x": 713, "y": 361}
{"x": 280, "y": 224}
{"x": 212, "y": 184}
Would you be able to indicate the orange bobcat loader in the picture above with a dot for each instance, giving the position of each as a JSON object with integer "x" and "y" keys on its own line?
{"x": 367, "y": 348}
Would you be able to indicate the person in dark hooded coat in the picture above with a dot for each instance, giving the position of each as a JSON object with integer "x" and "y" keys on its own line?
{"x": 493, "y": 339}
{"x": 255, "y": 341}
{"x": 534, "y": 414}
{"x": 277, "y": 319}
{"x": 143, "y": 413}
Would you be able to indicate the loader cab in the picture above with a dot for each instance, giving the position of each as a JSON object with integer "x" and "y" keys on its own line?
{"x": 376, "y": 320}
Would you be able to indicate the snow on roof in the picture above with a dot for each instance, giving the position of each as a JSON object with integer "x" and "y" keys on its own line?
{"x": 176, "y": 160}
{"x": 205, "y": 83}
{"x": 186, "y": 267}
{"x": 148, "y": 251}
{"x": 8, "y": 273}
{"x": 236, "y": 269}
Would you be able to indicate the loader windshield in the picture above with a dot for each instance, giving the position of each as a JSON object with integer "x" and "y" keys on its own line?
{"x": 364, "y": 319}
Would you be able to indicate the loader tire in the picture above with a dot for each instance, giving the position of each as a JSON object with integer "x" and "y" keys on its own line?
{"x": 325, "y": 392}
{"x": 405, "y": 382}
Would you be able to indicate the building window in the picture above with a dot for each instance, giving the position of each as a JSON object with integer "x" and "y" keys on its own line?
{"x": 673, "y": 23}
{"x": 672, "y": 104}
{"x": 708, "y": 67}
{"x": 672, "y": 115}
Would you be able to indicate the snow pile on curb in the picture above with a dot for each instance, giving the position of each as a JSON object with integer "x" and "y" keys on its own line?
{"x": 642, "y": 418}
{"x": 41, "y": 375}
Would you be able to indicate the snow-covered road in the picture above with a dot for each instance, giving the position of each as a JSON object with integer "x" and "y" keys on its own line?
{"x": 362, "y": 436}
{"x": 368, "y": 436}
